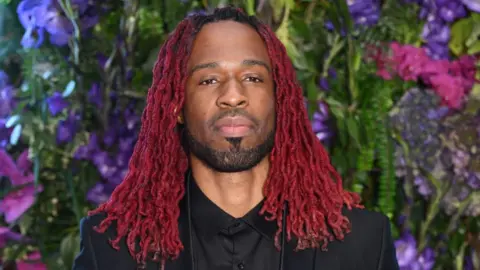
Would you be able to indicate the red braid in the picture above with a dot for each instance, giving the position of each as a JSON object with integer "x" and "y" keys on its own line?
{"x": 145, "y": 205}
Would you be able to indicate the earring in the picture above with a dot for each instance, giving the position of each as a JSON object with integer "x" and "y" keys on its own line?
{"x": 180, "y": 119}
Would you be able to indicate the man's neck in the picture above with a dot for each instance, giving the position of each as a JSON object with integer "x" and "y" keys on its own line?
{"x": 234, "y": 193}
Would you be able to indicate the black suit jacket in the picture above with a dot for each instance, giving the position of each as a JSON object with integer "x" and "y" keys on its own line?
{"x": 369, "y": 246}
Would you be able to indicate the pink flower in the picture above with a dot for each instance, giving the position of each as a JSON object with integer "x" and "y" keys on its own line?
{"x": 465, "y": 68}
{"x": 432, "y": 68}
{"x": 409, "y": 61}
{"x": 450, "y": 80}
{"x": 384, "y": 74}
{"x": 449, "y": 88}
{"x": 33, "y": 262}
{"x": 15, "y": 203}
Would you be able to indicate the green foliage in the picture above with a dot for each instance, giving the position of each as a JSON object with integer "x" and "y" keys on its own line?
{"x": 466, "y": 36}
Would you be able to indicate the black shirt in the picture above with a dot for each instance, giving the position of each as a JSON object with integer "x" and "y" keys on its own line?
{"x": 222, "y": 242}
{"x": 219, "y": 244}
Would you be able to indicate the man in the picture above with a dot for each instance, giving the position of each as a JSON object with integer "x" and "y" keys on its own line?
{"x": 227, "y": 173}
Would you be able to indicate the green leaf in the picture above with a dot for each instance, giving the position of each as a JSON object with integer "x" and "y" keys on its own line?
{"x": 336, "y": 108}
{"x": 460, "y": 32}
{"x": 475, "y": 48}
{"x": 15, "y": 136}
{"x": 69, "y": 247}
{"x": 69, "y": 89}
{"x": 353, "y": 131}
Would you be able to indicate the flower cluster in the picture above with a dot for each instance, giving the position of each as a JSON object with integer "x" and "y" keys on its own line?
{"x": 67, "y": 127}
{"x": 416, "y": 117}
{"x": 461, "y": 134}
{"x": 364, "y": 12}
{"x": 440, "y": 143}
{"x": 439, "y": 15}
{"x": 451, "y": 80}
{"x": 18, "y": 200}
{"x": 408, "y": 256}
{"x": 111, "y": 150}
{"x": 40, "y": 16}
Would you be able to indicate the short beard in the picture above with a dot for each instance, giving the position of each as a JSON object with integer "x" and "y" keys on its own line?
{"x": 236, "y": 159}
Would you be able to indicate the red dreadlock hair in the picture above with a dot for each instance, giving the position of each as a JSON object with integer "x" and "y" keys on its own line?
{"x": 145, "y": 205}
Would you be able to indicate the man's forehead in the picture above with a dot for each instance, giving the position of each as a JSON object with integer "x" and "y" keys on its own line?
{"x": 228, "y": 41}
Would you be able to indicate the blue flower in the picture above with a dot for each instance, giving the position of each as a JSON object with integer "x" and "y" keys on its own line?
{"x": 40, "y": 16}
{"x": 56, "y": 103}
{"x": 67, "y": 128}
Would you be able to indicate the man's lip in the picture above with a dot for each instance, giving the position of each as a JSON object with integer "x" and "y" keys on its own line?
{"x": 237, "y": 126}
{"x": 236, "y": 121}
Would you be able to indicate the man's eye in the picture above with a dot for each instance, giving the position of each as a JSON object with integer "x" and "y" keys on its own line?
{"x": 253, "y": 79}
{"x": 208, "y": 81}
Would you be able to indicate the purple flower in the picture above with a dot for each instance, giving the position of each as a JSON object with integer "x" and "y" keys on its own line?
{"x": 18, "y": 173}
{"x": 7, "y": 235}
{"x": 408, "y": 257}
{"x": 38, "y": 16}
{"x": 406, "y": 249}
{"x": 126, "y": 144}
{"x": 29, "y": 12}
{"x": 17, "y": 202}
{"x": 30, "y": 16}
{"x": 7, "y": 102}
{"x": 95, "y": 95}
{"x": 4, "y": 134}
{"x": 436, "y": 32}
{"x": 67, "y": 128}
{"x": 364, "y": 12}
{"x": 426, "y": 260}
{"x": 110, "y": 137}
{"x": 100, "y": 193}
{"x": 439, "y": 15}
{"x": 132, "y": 120}
{"x": 473, "y": 5}
{"x": 4, "y": 81}
{"x": 320, "y": 123}
{"x": 105, "y": 164}
{"x": 451, "y": 11}
{"x": 56, "y": 103}
{"x": 423, "y": 186}
{"x": 474, "y": 180}
{"x": 89, "y": 150}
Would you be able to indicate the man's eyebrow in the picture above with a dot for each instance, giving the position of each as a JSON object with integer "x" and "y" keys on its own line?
{"x": 246, "y": 62}
{"x": 203, "y": 66}
{"x": 253, "y": 62}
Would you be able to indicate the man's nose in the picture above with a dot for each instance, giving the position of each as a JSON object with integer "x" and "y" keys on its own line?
{"x": 232, "y": 95}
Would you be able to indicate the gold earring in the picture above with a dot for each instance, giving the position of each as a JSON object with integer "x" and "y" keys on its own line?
{"x": 180, "y": 119}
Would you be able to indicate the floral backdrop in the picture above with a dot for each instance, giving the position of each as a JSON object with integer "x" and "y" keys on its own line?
{"x": 392, "y": 88}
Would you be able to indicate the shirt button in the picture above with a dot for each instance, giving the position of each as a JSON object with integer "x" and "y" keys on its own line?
{"x": 241, "y": 266}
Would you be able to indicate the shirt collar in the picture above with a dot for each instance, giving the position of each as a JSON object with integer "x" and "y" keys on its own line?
{"x": 209, "y": 219}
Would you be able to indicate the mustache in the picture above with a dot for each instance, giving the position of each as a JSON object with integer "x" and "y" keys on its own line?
{"x": 232, "y": 113}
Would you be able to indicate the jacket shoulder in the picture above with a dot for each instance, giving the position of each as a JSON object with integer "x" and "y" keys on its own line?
{"x": 96, "y": 252}
{"x": 371, "y": 238}
{"x": 365, "y": 220}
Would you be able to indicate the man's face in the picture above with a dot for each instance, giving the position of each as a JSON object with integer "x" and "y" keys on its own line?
{"x": 229, "y": 106}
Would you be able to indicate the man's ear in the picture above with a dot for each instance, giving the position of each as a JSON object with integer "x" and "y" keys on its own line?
{"x": 179, "y": 117}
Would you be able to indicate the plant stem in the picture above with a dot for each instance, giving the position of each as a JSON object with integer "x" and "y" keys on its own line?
{"x": 431, "y": 214}
{"x": 460, "y": 256}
